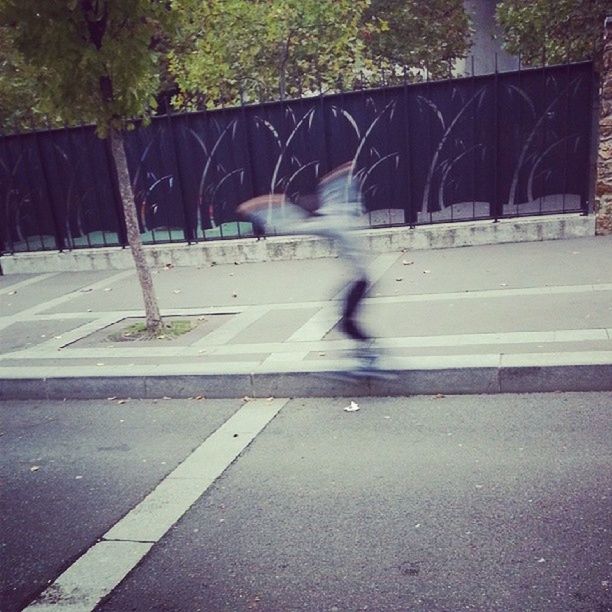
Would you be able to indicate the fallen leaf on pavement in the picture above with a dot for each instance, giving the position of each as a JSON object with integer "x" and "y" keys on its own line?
{"x": 352, "y": 408}
{"x": 12, "y": 292}
{"x": 407, "y": 263}
{"x": 426, "y": 271}
{"x": 122, "y": 401}
{"x": 399, "y": 279}
{"x": 99, "y": 364}
{"x": 439, "y": 396}
{"x": 111, "y": 399}
{"x": 541, "y": 560}
{"x": 176, "y": 291}
{"x": 86, "y": 290}
{"x": 199, "y": 397}
{"x": 35, "y": 468}
{"x": 108, "y": 289}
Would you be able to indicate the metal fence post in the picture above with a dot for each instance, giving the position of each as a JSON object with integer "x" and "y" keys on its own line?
{"x": 326, "y": 152}
{"x": 187, "y": 225}
{"x": 496, "y": 199}
{"x": 59, "y": 234}
{"x": 409, "y": 213}
{"x": 110, "y": 166}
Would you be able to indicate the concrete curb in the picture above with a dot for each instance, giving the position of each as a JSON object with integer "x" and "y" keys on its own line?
{"x": 382, "y": 240}
{"x": 492, "y": 374}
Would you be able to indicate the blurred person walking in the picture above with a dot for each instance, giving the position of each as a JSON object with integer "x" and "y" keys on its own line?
{"x": 333, "y": 213}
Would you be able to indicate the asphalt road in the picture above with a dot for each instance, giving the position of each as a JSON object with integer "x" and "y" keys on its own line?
{"x": 428, "y": 504}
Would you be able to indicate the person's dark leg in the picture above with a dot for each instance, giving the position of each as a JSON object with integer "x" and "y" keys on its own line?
{"x": 353, "y": 298}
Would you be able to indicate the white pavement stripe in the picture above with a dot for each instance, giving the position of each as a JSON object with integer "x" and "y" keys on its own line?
{"x": 62, "y": 299}
{"x": 148, "y": 521}
{"x": 491, "y": 293}
{"x": 73, "y": 335}
{"x": 233, "y": 309}
{"x": 408, "y": 362}
{"x": 325, "y": 319}
{"x": 283, "y": 349}
{"x": 376, "y": 270}
{"x": 93, "y": 576}
{"x": 232, "y": 328}
{"x": 317, "y": 326}
{"x": 286, "y": 357}
{"x": 27, "y": 282}
{"x": 109, "y": 370}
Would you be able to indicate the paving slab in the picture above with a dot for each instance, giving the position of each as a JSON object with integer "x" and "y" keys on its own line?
{"x": 271, "y": 327}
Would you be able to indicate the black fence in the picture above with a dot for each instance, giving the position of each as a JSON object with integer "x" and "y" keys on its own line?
{"x": 480, "y": 147}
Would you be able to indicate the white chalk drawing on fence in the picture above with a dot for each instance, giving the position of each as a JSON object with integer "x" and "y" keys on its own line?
{"x": 530, "y": 159}
{"x": 207, "y": 192}
{"x": 446, "y": 165}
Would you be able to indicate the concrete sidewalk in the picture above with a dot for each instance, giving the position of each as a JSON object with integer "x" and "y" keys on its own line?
{"x": 485, "y": 319}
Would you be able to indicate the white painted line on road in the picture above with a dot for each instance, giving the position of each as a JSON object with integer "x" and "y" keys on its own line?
{"x": 25, "y": 283}
{"x": 150, "y": 519}
{"x": 95, "y": 574}
{"x": 91, "y": 577}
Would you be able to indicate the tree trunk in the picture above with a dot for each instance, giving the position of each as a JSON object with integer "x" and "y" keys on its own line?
{"x": 153, "y": 318}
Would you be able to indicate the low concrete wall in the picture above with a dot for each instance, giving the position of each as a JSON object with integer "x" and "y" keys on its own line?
{"x": 243, "y": 250}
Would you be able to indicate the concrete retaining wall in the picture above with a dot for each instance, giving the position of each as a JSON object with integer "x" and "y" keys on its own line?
{"x": 382, "y": 240}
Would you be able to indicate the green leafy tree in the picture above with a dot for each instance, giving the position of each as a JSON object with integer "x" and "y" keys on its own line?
{"x": 96, "y": 60}
{"x": 18, "y": 104}
{"x": 265, "y": 49}
{"x": 421, "y": 36}
{"x": 269, "y": 49}
{"x": 554, "y": 31}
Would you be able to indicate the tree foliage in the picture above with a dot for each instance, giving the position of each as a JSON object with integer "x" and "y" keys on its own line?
{"x": 419, "y": 35}
{"x": 18, "y": 86}
{"x": 95, "y": 60}
{"x": 270, "y": 49}
{"x": 553, "y": 31}
{"x": 264, "y": 48}
{"x": 89, "y": 60}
